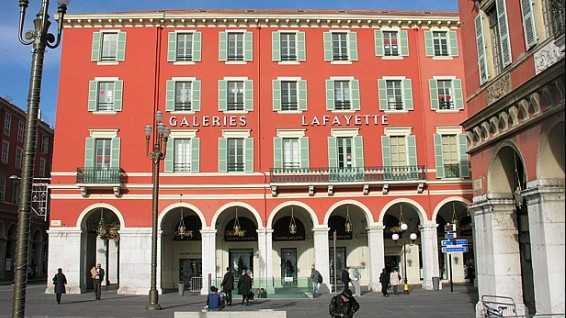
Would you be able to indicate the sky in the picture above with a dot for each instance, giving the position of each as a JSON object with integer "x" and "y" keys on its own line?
{"x": 15, "y": 58}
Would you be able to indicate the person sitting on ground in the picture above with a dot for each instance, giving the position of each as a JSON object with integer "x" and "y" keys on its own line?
{"x": 343, "y": 305}
{"x": 214, "y": 301}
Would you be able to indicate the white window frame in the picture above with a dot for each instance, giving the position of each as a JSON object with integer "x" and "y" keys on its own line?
{"x": 344, "y": 78}
{"x": 192, "y": 48}
{"x": 442, "y": 29}
{"x": 290, "y": 79}
{"x": 99, "y": 62}
{"x": 402, "y": 79}
{"x": 243, "y": 46}
{"x": 236, "y": 78}
{"x": 400, "y": 132}
{"x": 184, "y": 79}
{"x": 103, "y": 133}
{"x": 346, "y": 133}
{"x": 290, "y": 133}
{"x": 452, "y": 79}
{"x": 21, "y": 131}
{"x": 7, "y": 129}
{"x": 5, "y": 155}
{"x": 104, "y": 79}
{"x": 392, "y": 29}
{"x": 445, "y": 131}
{"x": 296, "y": 47}
{"x": 347, "y": 32}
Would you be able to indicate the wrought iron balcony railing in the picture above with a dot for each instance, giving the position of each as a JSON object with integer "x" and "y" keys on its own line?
{"x": 348, "y": 175}
{"x": 452, "y": 170}
{"x": 98, "y": 175}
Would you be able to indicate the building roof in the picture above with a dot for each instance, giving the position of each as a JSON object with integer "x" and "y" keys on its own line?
{"x": 16, "y": 109}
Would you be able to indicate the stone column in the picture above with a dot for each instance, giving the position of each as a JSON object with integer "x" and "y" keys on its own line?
{"x": 265, "y": 248}
{"x": 545, "y": 199}
{"x": 322, "y": 256}
{"x": 65, "y": 252}
{"x": 3, "y": 247}
{"x": 208, "y": 258}
{"x": 498, "y": 258}
{"x": 376, "y": 255}
{"x": 135, "y": 261}
{"x": 429, "y": 245}
{"x": 113, "y": 271}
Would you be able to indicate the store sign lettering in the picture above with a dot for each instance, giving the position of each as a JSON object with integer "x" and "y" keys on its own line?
{"x": 345, "y": 120}
{"x": 208, "y": 121}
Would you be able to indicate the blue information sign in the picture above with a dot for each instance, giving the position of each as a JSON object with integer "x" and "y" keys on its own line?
{"x": 455, "y": 249}
{"x": 444, "y": 243}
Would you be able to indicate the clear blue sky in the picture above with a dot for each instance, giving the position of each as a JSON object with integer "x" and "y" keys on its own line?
{"x": 15, "y": 59}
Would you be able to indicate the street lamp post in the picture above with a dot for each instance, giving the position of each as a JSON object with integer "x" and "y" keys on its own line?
{"x": 413, "y": 238}
{"x": 157, "y": 153}
{"x": 39, "y": 38}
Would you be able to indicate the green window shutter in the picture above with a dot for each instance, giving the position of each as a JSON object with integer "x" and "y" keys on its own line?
{"x": 503, "y": 32}
{"x": 118, "y": 92}
{"x": 480, "y": 45}
{"x": 438, "y": 156}
{"x": 327, "y": 46}
{"x": 404, "y": 38}
{"x": 408, "y": 94}
{"x": 95, "y": 53}
{"x": 458, "y": 94}
{"x": 412, "y": 145}
{"x": 529, "y": 23}
{"x": 276, "y": 46}
{"x": 222, "y": 154}
{"x": 277, "y": 152}
{"x": 249, "y": 155}
{"x": 301, "y": 46}
{"x": 223, "y": 46}
{"x": 302, "y": 95}
{"x": 386, "y": 150}
{"x": 332, "y": 153}
{"x": 115, "y": 153}
{"x": 382, "y": 90}
{"x": 379, "y": 49}
{"x": 433, "y": 85}
{"x": 305, "y": 159}
{"x": 428, "y": 43}
{"x": 222, "y": 95}
{"x": 195, "y": 155}
{"x": 330, "y": 95}
{"x": 197, "y": 46}
{"x": 121, "y": 54}
{"x": 276, "y": 95}
{"x": 249, "y": 95}
{"x": 454, "y": 49}
{"x": 353, "y": 39}
{"x": 248, "y": 46}
{"x": 464, "y": 161}
{"x": 359, "y": 148}
{"x": 92, "y": 95}
{"x": 89, "y": 152}
{"x": 170, "y": 106}
{"x": 355, "y": 85}
{"x": 196, "y": 96}
{"x": 172, "y": 47}
{"x": 170, "y": 156}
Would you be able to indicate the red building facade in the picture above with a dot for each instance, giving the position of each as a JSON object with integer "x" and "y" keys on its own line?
{"x": 285, "y": 127}
{"x": 515, "y": 84}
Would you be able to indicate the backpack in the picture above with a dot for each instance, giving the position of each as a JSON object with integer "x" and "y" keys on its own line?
{"x": 319, "y": 278}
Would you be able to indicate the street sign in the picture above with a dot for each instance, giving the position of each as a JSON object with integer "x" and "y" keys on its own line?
{"x": 444, "y": 243}
{"x": 450, "y": 235}
{"x": 454, "y": 249}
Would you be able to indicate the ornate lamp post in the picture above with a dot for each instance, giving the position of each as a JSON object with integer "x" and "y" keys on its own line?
{"x": 396, "y": 238}
{"x": 157, "y": 153}
{"x": 39, "y": 38}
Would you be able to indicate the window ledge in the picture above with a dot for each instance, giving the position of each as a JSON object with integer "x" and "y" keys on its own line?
{"x": 392, "y": 57}
{"x": 447, "y": 110}
{"x": 344, "y": 111}
{"x": 395, "y": 111}
{"x": 289, "y": 112}
{"x": 289, "y": 62}
{"x": 103, "y": 113}
{"x": 184, "y": 63}
{"x": 235, "y": 62}
{"x": 178, "y": 112}
{"x": 108, "y": 63}
{"x": 341, "y": 62}
{"x": 236, "y": 112}
{"x": 442, "y": 58}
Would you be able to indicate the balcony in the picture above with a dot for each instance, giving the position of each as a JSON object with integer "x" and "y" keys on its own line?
{"x": 100, "y": 178}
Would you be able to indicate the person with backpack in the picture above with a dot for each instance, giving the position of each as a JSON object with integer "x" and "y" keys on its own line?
{"x": 384, "y": 280}
{"x": 343, "y": 305}
{"x": 316, "y": 280}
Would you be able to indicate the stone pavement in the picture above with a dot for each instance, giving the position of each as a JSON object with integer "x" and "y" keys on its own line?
{"x": 419, "y": 304}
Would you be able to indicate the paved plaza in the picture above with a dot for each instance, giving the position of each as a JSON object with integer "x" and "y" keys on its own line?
{"x": 419, "y": 304}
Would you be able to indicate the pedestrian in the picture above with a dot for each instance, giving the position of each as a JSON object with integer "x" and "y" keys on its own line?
{"x": 214, "y": 300}
{"x": 228, "y": 285}
{"x": 97, "y": 275}
{"x": 395, "y": 281}
{"x": 316, "y": 280}
{"x": 245, "y": 287}
{"x": 343, "y": 305}
{"x": 345, "y": 278}
{"x": 59, "y": 280}
{"x": 384, "y": 280}
{"x": 356, "y": 276}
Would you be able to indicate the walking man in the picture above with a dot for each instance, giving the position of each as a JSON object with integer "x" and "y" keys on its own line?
{"x": 97, "y": 275}
{"x": 384, "y": 280}
{"x": 228, "y": 285}
{"x": 395, "y": 281}
{"x": 343, "y": 305}
{"x": 345, "y": 278}
{"x": 59, "y": 280}
{"x": 245, "y": 288}
{"x": 316, "y": 280}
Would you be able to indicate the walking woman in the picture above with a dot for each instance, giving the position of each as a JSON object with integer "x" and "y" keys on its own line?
{"x": 59, "y": 280}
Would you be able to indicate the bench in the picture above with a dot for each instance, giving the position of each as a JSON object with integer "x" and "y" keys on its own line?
{"x": 232, "y": 314}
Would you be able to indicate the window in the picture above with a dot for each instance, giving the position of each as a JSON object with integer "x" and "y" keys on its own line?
{"x": 15, "y": 191}
{"x": 42, "y": 167}
{"x": 102, "y": 152}
{"x": 105, "y": 100}
{"x": 7, "y": 123}
{"x": 184, "y": 47}
{"x": 235, "y": 162}
{"x": 289, "y": 100}
{"x": 291, "y": 153}
{"x": 398, "y": 151}
{"x": 235, "y": 96}
{"x": 105, "y": 95}
{"x": 340, "y": 46}
{"x": 45, "y": 144}
{"x": 440, "y": 42}
{"x": 5, "y": 151}
{"x": 19, "y": 158}
{"x": 109, "y": 48}
{"x": 183, "y": 96}
{"x": 183, "y": 153}
{"x": 394, "y": 95}
{"x": 344, "y": 145}
{"x": 342, "y": 98}
{"x": 445, "y": 94}
{"x": 21, "y": 131}
{"x": 555, "y": 15}
{"x": 495, "y": 40}
{"x": 2, "y": 187}
{"x": 391, "y": 43}
{"x": 450, "y": 156}
{"x": 288, "y": 46}
{"x": 235, "y": 46}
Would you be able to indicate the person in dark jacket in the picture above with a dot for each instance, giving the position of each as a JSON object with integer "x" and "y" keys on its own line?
{"x": 343, "y": 305}
{"x": 228, "y": 285}
{"x": 245, "y": 288}
{"x": 214, "y": 300}
{"x": 59, "y": 280}
{"x": 384, "y": 280}
{"x": 345, "y": 278}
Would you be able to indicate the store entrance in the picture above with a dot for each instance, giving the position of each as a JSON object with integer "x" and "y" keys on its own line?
{"x": 190, "y": 273}
{"x": 289, "y": 267}
{"x": 241, "y": 260}
{"x": 335, "y": 271}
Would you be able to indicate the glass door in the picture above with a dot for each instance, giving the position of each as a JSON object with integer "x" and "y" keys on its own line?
{"x": 341, "y": 261}
{"x": 289, "y": 267}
